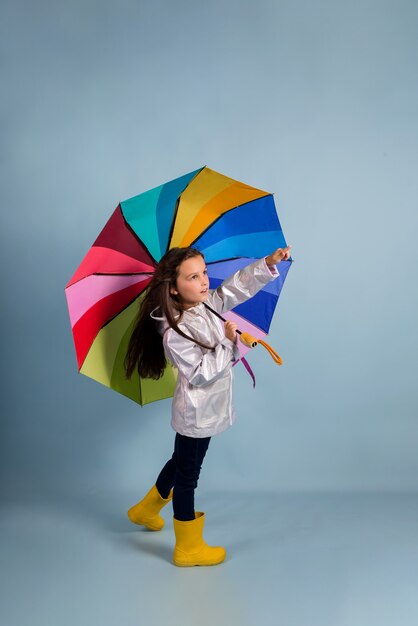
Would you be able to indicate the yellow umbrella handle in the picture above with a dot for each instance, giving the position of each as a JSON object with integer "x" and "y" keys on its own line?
{"x": 250, "y": 341}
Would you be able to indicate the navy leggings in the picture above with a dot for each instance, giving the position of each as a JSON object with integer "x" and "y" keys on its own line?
{"x": 182, "y": 473}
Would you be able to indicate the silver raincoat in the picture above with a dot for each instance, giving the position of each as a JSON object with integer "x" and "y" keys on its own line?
{"x": 202, "y": 402}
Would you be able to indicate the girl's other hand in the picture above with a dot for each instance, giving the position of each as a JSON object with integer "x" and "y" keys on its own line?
{"x": 230, "y": 328}
{"x": 281, "y": 254}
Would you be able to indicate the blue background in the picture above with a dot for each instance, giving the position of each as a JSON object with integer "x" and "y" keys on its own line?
{"x": 314, "y": 101}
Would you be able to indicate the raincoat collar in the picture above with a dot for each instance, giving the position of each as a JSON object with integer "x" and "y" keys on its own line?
{"x": 198, "y": 308}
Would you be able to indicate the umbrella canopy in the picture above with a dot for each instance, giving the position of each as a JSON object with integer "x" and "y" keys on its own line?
{"x": 230, "y": 222}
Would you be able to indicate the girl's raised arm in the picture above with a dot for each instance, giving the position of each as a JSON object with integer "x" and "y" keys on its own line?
{"x": 242, "y": 285}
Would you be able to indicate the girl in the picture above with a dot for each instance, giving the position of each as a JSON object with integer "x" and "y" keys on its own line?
{"x": 173, "y": 322}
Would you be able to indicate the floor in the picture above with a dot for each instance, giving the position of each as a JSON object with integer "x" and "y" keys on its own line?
{"x": 292, "y": 559}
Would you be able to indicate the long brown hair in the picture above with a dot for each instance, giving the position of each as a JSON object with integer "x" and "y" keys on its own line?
{"x": 145, "y": 349}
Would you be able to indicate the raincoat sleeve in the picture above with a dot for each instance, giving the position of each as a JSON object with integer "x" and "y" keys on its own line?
{"x": 198, "y": 367}
{"x": 242, "y": 285}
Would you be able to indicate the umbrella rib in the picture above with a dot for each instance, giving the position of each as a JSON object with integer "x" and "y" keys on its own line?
{"x": 120, "y": 311}
{"x": 173, "y": 221}
{"x": 139, "y": 240}
{"x": 232, "y": 258}
{"x": 238, "y": 315}
{"x": 108, "y": 274}
{"x": 120, "y": 274}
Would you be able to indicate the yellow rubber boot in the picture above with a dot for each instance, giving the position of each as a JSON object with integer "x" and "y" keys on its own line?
{"x": 190, "y": 548}
{"x": 146, "y": 512}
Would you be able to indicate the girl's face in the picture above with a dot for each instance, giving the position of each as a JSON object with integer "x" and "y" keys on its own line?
{"x": 192, "y": 282}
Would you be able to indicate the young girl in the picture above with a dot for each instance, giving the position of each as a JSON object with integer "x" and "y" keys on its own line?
{"x": 173, "y": 322}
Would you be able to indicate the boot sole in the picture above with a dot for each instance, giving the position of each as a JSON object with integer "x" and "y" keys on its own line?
{"x": 181, "y": 564}
{"x": 150, "y": 527}
{"x": 197, "y": 564}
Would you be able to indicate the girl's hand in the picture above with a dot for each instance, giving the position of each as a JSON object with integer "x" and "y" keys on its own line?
{"x": 281, "y": 254}
{"x": 230, "y": 328}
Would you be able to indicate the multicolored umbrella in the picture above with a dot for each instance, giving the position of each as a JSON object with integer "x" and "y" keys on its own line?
{"x": 229, "y": 222}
